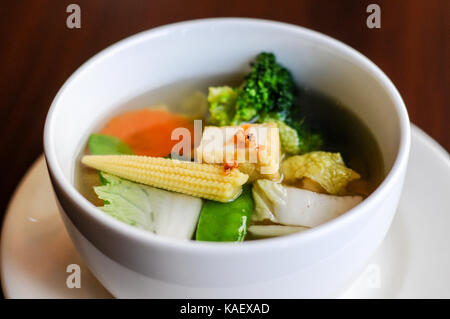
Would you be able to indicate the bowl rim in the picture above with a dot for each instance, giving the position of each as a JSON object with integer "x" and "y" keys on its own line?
{"x": 394, "y": 175}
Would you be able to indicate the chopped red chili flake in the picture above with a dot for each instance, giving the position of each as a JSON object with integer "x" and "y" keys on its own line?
{"x": 228, "y": 167}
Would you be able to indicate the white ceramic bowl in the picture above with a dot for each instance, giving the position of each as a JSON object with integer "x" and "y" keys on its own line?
{"x": 316, "y": 263}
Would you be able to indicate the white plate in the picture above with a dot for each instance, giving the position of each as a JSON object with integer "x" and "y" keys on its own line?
{"x": 412, "y": 262}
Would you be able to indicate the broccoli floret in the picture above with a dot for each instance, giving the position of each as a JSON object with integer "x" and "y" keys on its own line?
{"x": 268, "y": 94}
{"x": 222, "y": 105}
{"x": 296, "y": 139}
{"x": 268, "y": 88}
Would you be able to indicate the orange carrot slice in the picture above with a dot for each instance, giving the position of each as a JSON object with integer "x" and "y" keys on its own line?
{"x": 148, "y": 131}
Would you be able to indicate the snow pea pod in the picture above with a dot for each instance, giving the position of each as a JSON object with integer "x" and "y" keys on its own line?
{"x": 226, "y": 221}
{"x": 100, "y": 144}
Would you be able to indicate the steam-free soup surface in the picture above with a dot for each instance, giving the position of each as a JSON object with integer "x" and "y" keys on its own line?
{"x": 342, "y": 130}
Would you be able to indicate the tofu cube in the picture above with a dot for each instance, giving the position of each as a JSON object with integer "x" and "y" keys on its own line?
{"x": 254, "y": 148}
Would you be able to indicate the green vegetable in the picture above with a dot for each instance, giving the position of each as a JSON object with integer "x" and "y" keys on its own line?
{"x": 152, "y": 209}
{"x": 327, "y": 169}
{"x": 296, "y": 138}
{"x": 268, "y": 94}
{"x": 268, "y": 89}
{"x": 222, "y": 103}
{"x": 100, "y": 144}
{"x": 290, "y": 142}
{"x": 226, "y": 221}
{"x": 267, "y": 195}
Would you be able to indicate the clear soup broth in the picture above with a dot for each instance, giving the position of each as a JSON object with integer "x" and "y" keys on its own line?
{"x": 343, "y": 131}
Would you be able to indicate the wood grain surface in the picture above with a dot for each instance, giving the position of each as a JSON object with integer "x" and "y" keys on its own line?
{"x": 38, "y": 53}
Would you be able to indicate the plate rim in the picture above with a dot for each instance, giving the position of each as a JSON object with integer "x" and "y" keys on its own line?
{"x": 416, "y": 133}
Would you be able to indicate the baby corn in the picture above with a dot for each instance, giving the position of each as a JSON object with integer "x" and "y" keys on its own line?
{"x": 201, "y": 180}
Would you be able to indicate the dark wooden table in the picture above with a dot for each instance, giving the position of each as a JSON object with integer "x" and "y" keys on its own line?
{"x": 38, "y": 53}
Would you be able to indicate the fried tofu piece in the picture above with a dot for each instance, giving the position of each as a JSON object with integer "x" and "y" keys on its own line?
{"x": 254, "y": 148}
